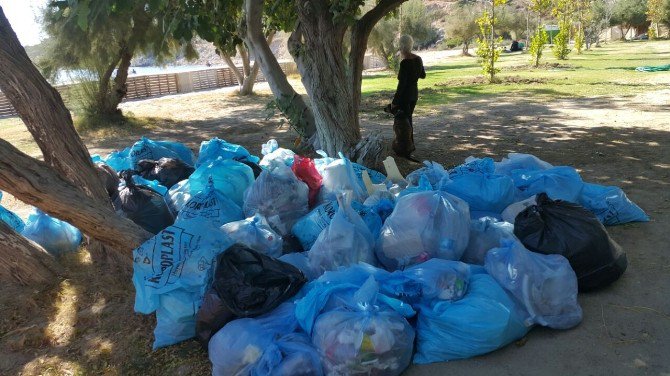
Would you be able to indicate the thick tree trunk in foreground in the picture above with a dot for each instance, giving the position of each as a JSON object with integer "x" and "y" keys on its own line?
{"x": 24, "y": 262}
{"x": 37, "y": 184}
{"x": 42, "y": 110}
{"x": 289, "y": 100}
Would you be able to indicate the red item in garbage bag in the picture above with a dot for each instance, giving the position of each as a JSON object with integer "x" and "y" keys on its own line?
{"x": 305, "y": 170}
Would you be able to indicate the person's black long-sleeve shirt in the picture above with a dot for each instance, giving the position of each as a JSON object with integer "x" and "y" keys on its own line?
{"x": 411, "y": 69}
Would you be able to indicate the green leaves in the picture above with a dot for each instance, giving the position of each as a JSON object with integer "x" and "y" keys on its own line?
{"x": 82, "y": 14}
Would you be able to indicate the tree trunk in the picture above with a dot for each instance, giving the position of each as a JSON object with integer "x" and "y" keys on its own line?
{"x": 244, "y": 55}
{"x": 103, "y": 84}
{"x": 120, "y": 88}
{"x": 42, "y": 110}
{"x": 287, "y": 97}
{"x": 37, "y": 184}
{"x": 250, "y": 80}
{"x": 466, "y": 49}
{"x": 24, "y": 262}
{"x": 239, "y": 76}
{"x": 314, "y": 45}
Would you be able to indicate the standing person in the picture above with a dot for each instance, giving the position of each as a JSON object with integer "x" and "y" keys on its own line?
{"x": 406, "y": 95}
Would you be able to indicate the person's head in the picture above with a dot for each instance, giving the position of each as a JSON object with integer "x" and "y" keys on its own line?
{"x": 405, "y": 44}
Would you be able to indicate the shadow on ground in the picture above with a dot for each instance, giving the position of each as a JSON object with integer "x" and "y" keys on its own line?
{"x": 85, "y": 324}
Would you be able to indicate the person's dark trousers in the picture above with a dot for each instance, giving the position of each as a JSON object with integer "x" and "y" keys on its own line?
{"x": 408, "y": 109}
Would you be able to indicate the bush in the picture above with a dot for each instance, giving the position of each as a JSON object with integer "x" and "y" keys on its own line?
{"x": 537, "y": 42}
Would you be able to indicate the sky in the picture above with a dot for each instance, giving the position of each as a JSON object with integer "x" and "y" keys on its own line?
{"x": 21, "y": 15}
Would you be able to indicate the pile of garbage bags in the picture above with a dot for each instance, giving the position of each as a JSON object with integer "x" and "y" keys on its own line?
{"x": 291, "y": 265}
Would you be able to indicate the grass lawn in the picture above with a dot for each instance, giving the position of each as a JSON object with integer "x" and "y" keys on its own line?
{"x": 605, "y": 70}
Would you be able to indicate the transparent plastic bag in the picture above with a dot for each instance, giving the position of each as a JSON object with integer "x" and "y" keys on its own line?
{"x": 365, "y": 338}
{"x": 308, "y": 228}
{"x": 238, "y": 347}
{"x": 339, "y": 176}
{"x": 279, "y": 196}
{"x": 485, "y": 234}
{"x": 346, "y": 240}
{"x": 510, "y": 212}
{"x": 255, "y": 233}
{"x": 429, "y": 281}
{"x": 424, "y": 225}
{"x": 545, "y": 285}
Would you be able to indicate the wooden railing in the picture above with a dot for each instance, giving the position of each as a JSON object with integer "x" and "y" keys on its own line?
{"x": 155, "y": 85}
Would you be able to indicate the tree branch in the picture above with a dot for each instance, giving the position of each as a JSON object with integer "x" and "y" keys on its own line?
{"x": 35, "y": 183}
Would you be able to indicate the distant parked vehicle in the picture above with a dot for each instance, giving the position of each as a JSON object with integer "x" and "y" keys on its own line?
{"x": 642, "y": 36}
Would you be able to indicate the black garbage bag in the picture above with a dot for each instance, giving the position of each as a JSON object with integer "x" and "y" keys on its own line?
{"x": 144, "y": 206}
{"x": 564, "y": 228}
{"x": 168, "y": 171}
{"x": 246, "y": 284}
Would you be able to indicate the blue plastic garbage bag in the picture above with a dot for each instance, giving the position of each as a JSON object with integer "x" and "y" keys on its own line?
{"x": 184, "y": 153}
{"x": 175, "y": 317}
{"x": 230, "y": 177}
{"x": 433, "y": 171}
{"x": 485, "y": 319}
{"x": 483, "y": 192}
{"x": 339, "y": 176}
{"x": 485, "y": 234}
{"x": 480, "y": 166}
{"x": 308, "y": 228}
{"x": 346, "y": 240}
{"x": 149, "y": 149}
{"x": 11, "y": 219}
{"x": 610, "y": 204}
{"x": 336, "y": 289}
{"x": 520, "y": 161}
{"x": 237, "y": 348}
{"x": 545, "y": 285}
{"x": 383, "y": 206}
{"x": 119, "y": 160}
{"x": 559, "y": 183}
{"x": 291, "y": 355}
{"x": 208, "y": 208}
{"x": 213, "y": 149}
{"x": 55, "y": 236}
{"x": 430, "y": 281}
{"x": 364, "y": 338}
{"x": 423, "y": 186}
{"x": 175, "y": 258}
{"x": 255, "y": 233}
{"x": 153, "y": 184}
{"x": 279, "y": 196}
{"x": 422, "y": 226}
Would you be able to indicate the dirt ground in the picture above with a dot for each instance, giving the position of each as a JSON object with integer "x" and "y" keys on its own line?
{"x": 85, "y": 324}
